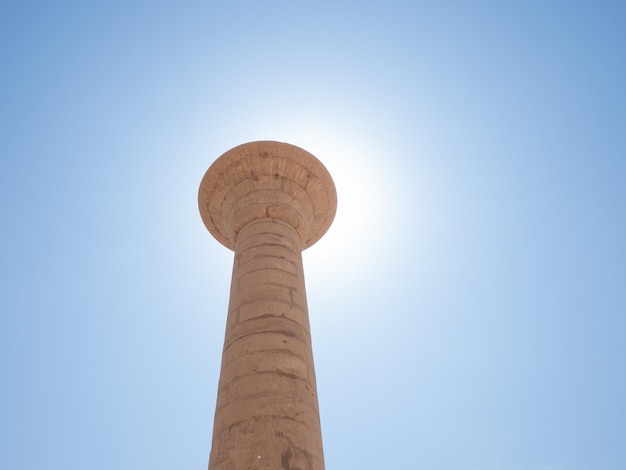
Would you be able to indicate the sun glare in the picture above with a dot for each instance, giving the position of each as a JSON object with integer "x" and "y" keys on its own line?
{"x": 361, "y": 219}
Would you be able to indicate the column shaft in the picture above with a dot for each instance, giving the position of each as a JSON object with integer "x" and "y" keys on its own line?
{"x": 267, "y": 412}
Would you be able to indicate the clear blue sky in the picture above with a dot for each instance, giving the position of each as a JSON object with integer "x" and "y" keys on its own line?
{"x": 468, "y": 306}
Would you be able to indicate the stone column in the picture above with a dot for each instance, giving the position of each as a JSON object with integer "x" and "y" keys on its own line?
{"x": 267, "y": 201}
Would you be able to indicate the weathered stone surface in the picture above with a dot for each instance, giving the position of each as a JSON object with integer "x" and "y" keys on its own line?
{"x": 267, "y": 201}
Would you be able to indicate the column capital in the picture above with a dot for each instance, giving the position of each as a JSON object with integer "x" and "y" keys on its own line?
{"x": 267, "y": 179}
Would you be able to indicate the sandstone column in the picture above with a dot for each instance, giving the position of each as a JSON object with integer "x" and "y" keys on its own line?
{"x": 267, "y": 201}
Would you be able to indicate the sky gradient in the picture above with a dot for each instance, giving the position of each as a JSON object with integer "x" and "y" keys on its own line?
{"x": 468, "y": 305}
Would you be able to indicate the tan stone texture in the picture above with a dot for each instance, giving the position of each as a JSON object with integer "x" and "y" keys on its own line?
{"x": 267, "y": 201}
